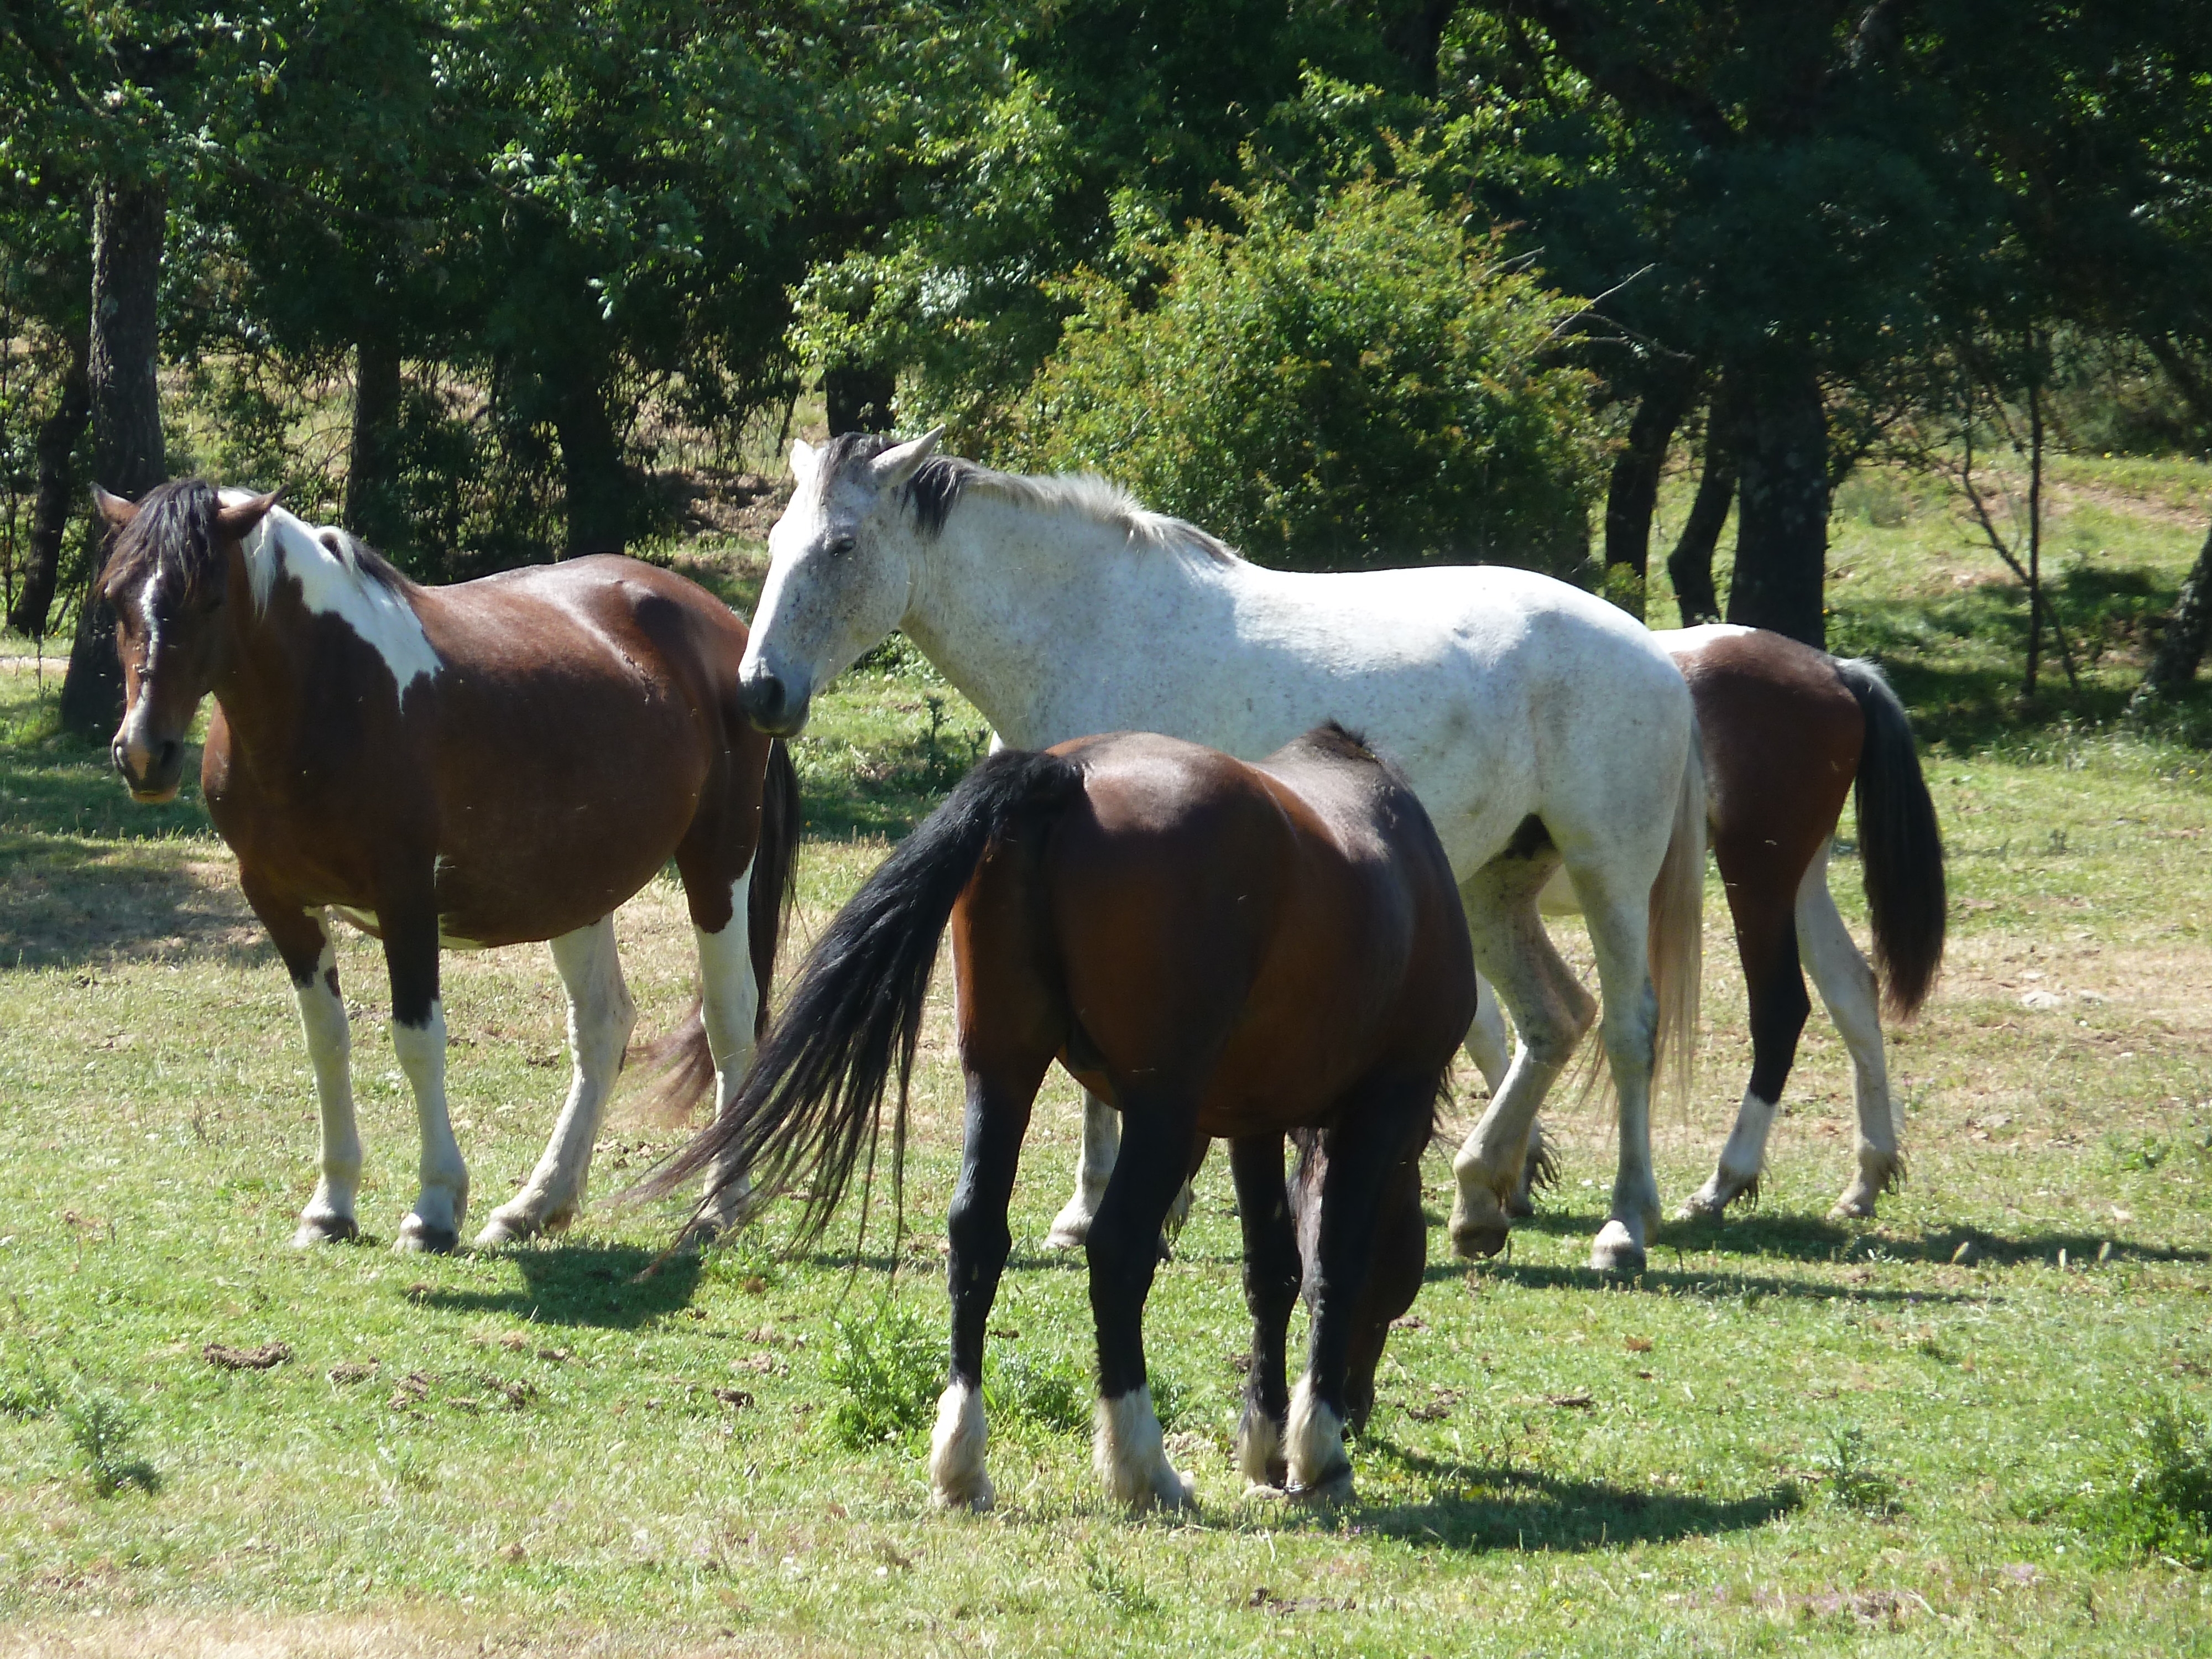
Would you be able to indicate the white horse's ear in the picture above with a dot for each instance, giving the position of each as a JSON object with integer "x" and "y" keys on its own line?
{"x": 113, "y": 509}
{"x": 804, "y": 459}
{"x": 896, "y": 465}
{"x": 233, "y": 518}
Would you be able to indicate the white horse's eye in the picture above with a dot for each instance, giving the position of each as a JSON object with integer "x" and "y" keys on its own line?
{"x": 841, "y": 545}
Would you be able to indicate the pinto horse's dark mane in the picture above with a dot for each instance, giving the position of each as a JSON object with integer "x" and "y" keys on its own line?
{"x": 174, "y": 532}
{"x": 939, "y": 482}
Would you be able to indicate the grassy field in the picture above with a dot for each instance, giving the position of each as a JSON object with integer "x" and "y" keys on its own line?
{"x": 1911, "y": 1436}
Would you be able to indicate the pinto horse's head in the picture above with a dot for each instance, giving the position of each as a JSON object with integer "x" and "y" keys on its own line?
{"x": 841, "y": 569}
{"x": 167, "y": 577}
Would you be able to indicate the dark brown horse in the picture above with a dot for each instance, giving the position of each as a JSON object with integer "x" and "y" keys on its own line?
{"x": 501, "y": 761}
{"x": 1789, "y": 733}
{"x": 1217, "y": 949}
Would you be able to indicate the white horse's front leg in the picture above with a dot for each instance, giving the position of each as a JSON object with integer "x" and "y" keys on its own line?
{"x": 729, "y": 1003}
{"x": 600, "y": 1018}
{"x": 330, "y": 1213}
{"x": 1847, "y": 986}
{"x": 1102, "y": 1144}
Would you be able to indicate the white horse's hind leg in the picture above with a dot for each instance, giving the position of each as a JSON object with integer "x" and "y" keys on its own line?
{"x": 1550, "y": 1011}
{"x": 434, "y": 1222}
{"x": 1619, "y": 935}
{"x": 330, "y": 1213}
{"x": 1847, "y": 986}
{"x": 600, "y": 1018}
{"x": 1488, "y": 1043}
{"x": 1094, "y": 1167}
{"x": 729, "y": 1003}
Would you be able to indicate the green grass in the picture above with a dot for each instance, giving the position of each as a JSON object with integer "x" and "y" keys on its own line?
{"x": 1938, "y": 1432}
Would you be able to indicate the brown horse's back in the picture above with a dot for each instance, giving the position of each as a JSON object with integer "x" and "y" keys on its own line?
{"x": 1290, "y": 962}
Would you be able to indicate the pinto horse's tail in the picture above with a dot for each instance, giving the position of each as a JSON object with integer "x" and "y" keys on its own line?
{"x": 814, "y": 1098}
{"x": 1677, "y": 932}
{"x": 681, "y": 1063}
{"x": 1901, "y": 846}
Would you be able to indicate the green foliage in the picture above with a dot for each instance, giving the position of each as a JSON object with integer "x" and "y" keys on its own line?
{"x": 101, "y": 1427}
{"x": 1853, "y": 1480}
{"x": 2153, "y": 1493}
{"x": 888, "y": 1367}
{"x": 1356, "y": 383}
{"x": 1047, "y": 1393}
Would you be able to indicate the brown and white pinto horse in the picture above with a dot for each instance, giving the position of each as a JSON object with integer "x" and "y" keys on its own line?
{"x": 1789, "y": 733}
{"x": 1213, "y": 947}
{"x": 502, "y": 761}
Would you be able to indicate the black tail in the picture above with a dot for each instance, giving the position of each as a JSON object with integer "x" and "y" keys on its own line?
{"x": 814, "y": 1095}
{"x": 681, "y": 1064}
{"x": 1901, "y": 846}
{"x": 774, "y": 887}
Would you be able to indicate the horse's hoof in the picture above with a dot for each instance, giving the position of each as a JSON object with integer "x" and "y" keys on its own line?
{"x": 325, "y": 1229}
{"x": 1476, "y": 1243}
{"x": 1703, "y": 1204}
{"x": 703, "y": 1233}
{"x": 1174, "y": 1490}
{"x": 1853, "y": 1205}
{"x": 504, "y": 1229}
{"x": 1330, "y": 1490}
{"x": 1616, "y": 1251}
{"x": 417, "y": 1237}
{"x": 1071, "y": 1230}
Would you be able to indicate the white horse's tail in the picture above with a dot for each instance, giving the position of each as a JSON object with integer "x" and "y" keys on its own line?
{"x": 1678, "y": 945}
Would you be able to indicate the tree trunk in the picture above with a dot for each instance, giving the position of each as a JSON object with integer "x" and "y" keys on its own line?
{"x": 1782, "y": 505}
{"x": 1634, "y": 491}
{"x": 57, "y": 495}
{"x": 371, "y": 498}
{"x": 1415, "y": 36}
{"x": 2181, "y": 648}
{"x": 128, "y": 221}
{"x": 595, "y": 482}
{"x": 859, "y": 398}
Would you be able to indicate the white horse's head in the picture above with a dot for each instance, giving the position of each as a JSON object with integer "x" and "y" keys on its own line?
{"x": 840, "y": 571}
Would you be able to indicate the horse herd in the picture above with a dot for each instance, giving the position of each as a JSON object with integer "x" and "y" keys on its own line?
{"x": 1306, "y": 865}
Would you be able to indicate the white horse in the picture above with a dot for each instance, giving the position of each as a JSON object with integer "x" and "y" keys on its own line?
{"x": 1539, "y": 725}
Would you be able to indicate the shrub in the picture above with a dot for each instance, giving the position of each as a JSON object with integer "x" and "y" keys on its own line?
{"x": 2153, "y": 1496}
{"x": 1050, "y": 1394}
{"x": 1358, "y": 384}
{"x": 889, "y": 1367}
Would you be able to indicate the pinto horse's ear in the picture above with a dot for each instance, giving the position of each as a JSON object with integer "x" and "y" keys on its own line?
{"x": 233, "y": 518}
{"x": 896, "y": 465}
{"x": 113, "y": 509}
{"x": 804, "y": 459}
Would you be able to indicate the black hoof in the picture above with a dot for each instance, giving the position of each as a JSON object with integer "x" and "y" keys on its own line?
{"x": 325, "y": 1229}
{"x": 418, "y": 1238}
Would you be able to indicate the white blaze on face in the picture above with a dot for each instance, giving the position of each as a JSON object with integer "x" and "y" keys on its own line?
{"x": 332, "y": 583}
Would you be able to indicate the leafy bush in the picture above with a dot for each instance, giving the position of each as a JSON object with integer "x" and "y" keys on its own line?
{"x": 1361, "y": 382}
{"x": 890, "y": 1366}
{"x": 2153, "y": 1494}
{"x": 1853, "y": 1481}
{"x": 1050, "y": 1394}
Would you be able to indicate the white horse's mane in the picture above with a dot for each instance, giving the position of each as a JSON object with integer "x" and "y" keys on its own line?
{"x": 1100, "y": 501}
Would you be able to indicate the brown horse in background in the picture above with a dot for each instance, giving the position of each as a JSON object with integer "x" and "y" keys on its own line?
{"x": 1213, "y": 947}
{"x": 501, "y": 761}
{"x": 1789, "y": 733}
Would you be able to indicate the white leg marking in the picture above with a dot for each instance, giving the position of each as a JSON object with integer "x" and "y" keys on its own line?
{"x": 1260, "y": 1449}
{"x": 1102, "y": 1144}
{"x": 1127, "y": 1451}
{"x": 729, "y": 1002}
{"x": 1319, "y": 1468}
{"x": 330, "y": 1212}
{"x": 601, "y": 1017}
{"x": 1742, "y": 1160}
{"x": 957, "y": 1477}
{"x": 1846, "y": 984}
{"x": 435, "y": 1223}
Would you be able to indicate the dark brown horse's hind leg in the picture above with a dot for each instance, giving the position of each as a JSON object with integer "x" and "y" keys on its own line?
{"x": 1156, "y": 1131}
{"x": 1779, "y": 1007}
{"x": 1385, "y": 1124}
{"x": 977, "y": 1239}
{"x": 1272, "y": 1272}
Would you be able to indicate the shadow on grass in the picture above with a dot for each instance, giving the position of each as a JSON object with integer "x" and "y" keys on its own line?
{"x": 1477, "y": 1507}
{"x": 595, "y": 1285}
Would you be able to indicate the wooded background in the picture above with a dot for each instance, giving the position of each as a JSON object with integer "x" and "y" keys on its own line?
{"x": 1348, "y": 283}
